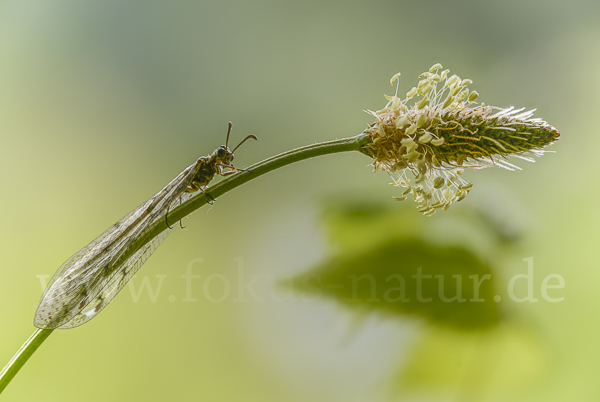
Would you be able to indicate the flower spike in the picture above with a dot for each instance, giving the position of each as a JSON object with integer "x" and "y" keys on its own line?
{"x": 442, "y": 132}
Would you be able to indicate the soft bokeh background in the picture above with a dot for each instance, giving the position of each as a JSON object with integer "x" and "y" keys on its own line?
{"x": 102, "y": 103}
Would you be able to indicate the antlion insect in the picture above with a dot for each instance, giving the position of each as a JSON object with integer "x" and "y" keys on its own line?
{"x": 93, "y": 276}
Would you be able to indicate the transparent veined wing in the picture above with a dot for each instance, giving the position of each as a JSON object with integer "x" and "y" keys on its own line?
{"x": 87, "y": 281}
{"x": 116, "y": 282}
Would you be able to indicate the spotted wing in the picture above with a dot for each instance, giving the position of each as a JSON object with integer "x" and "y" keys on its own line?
{"x": 78, "y": 287}
{"x": 116, "y": 283}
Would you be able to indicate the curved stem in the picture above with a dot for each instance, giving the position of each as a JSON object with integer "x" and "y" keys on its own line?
{"x": 343, "y": 145}
{"x": 22, "y": 355}
{"x": 258, "y": 169}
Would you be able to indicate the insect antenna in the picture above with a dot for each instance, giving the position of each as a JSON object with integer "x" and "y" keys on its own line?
{"x": 244, "y": 140}
{"x": 228, "y": 132}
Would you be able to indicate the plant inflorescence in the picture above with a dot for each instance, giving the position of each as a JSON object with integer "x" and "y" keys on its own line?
{"x": 439, "y": 129}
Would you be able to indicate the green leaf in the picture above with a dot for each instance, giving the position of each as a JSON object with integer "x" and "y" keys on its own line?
{"x": 449, "y": 286}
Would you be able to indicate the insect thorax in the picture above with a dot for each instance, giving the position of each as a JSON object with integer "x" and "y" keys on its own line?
{"x": 207, "y": 170}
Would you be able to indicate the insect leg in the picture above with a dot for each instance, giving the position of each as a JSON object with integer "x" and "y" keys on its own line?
{"x": 180, "y": 224}
{"x": 232, "y": 171}
{"x": 167, "y": 216}
{"x": 208, "y": 195}
{"x": 195, "y": 186}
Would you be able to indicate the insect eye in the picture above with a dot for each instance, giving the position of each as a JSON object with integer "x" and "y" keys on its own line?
{"x": 221, "y": 152}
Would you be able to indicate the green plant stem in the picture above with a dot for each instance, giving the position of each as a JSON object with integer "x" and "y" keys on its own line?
{"x": 342, "y": 145}
{"x": 258, "y": 169}
{"x": 22, "y": 355}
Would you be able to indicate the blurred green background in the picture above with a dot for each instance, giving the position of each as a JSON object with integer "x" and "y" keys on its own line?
{"x": 103, "y": 103}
